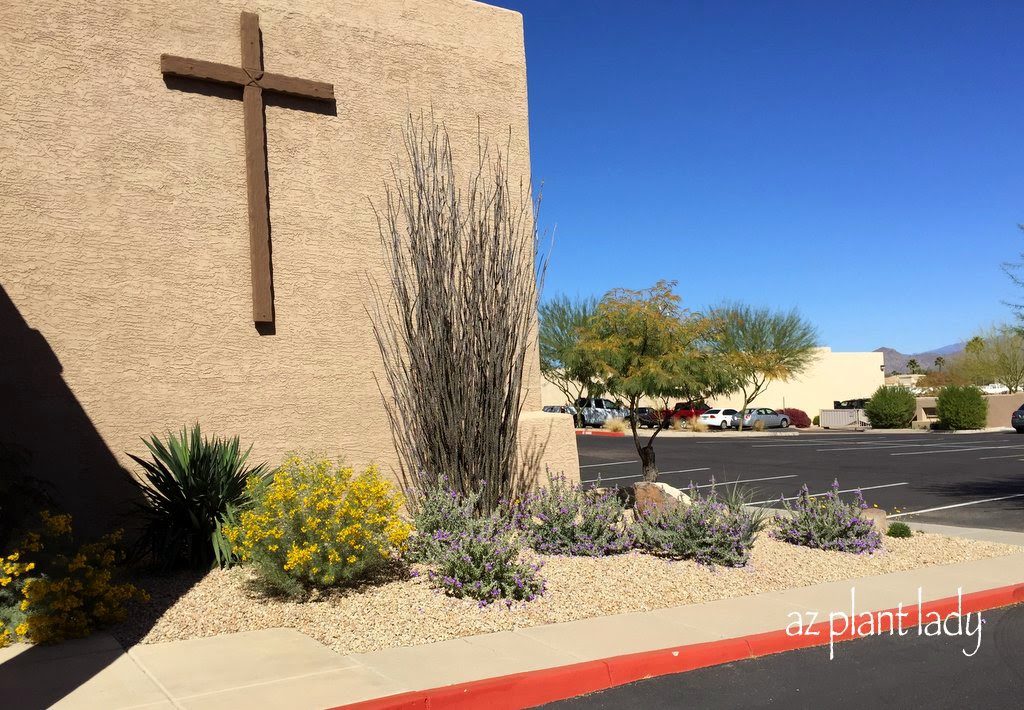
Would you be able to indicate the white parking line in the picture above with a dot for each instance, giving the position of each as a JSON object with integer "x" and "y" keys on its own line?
{"x": 743, "y": 480}
{"x": 615, "y": 463}
{"x": 1006, "y": 456}
{"x": 704, "y": 485}
{"x": 816, "y": 495}
{"x": 952, "y": 445}
{"x": 818, "y": 441}
{"x": 956, "y": 505}
{"x": 685, "y": 470}
{"x": 640, "y": 475}
{"x": 953, "y": 451}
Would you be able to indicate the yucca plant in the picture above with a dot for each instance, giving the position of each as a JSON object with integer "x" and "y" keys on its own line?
{"x": 192, "y": 488}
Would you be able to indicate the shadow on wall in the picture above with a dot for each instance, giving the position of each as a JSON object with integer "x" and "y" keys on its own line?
{"x": 40, "y": 417}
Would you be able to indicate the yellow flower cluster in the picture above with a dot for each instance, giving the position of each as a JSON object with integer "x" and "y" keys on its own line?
{"x": 72, "y": 593}
{"x": 319, "y": 524}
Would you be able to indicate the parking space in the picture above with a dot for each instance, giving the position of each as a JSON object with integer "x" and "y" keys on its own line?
{"x": 965, "y": 480}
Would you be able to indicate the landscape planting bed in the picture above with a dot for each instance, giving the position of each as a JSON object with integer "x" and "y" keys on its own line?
{"x": 408, "y": 611}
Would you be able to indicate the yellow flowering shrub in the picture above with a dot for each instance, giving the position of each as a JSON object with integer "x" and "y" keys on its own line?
{"x": 317, "y": 524}
{"x": 51, "y": 591}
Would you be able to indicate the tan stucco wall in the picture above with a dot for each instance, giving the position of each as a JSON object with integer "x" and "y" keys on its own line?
{"x": 1000, "y": 407}
{"x": 124, "y": 253}
{"x": 833, "y": 376}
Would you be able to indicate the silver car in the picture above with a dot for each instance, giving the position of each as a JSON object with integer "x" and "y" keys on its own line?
{"x": 770, "y": 417}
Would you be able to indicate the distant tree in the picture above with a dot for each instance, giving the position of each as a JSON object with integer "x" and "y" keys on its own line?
{"x": 563, "y": 362}
{"x": 914, "y": 367}
{"x": 647, "y": 346}
{"x": 995, "y": 356}
{"x": 762, "y": 346}
{"x": 940, "y": 362}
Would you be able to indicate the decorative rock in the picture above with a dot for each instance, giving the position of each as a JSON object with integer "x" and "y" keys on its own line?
{"x": 878, "y": 518}
{"x": 658, "y": 496}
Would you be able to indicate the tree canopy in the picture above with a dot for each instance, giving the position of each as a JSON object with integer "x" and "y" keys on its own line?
{"x": 563, "y": 362}
{"x": 645, "y": 345}
{"x": 761, "y": 346}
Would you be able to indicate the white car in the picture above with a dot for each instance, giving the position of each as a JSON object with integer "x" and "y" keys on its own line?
{"x": 719, "y": 418}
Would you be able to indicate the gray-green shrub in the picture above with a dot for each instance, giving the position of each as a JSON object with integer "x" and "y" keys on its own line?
{"x": 485, "y": 564}
{"x": 441, "y": 515}
{"x": 827, "y": 522}
{"x": 564, "y": 519}
{"x": 961, "y": 407}
{"x": 714, "y": 529}
{"x": 891, "y": 408}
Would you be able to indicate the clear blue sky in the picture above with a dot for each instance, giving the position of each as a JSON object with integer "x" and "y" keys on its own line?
{"x": 861, "y": 161}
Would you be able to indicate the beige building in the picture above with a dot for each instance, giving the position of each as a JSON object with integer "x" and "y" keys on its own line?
{"x": 832, "y": 376}
{"x": 126, "y": 207}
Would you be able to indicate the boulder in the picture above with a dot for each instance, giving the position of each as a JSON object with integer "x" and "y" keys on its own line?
{"x": 878, "y": 518}
{"x": 658, "y": 496}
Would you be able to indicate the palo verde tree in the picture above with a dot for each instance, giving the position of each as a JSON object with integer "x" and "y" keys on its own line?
{"x": 762, "y": 346}
{"x": 563, "y": 362}
{"x": 646, "y": 346}
{"x": 455, "y": 319}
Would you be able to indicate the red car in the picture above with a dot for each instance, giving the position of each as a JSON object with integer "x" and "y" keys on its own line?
{"x": 684, "y": 410}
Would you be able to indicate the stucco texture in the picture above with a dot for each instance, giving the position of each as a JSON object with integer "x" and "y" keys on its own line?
{"x": 124, "y": 252}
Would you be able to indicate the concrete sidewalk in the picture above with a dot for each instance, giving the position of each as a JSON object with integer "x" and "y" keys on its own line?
{"x": 282, "y": 668}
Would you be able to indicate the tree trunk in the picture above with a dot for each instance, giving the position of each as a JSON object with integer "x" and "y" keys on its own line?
{"x": 647, "y": 459}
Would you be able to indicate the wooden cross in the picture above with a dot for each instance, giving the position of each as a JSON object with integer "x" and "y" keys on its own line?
{"x": 253, "y": 81}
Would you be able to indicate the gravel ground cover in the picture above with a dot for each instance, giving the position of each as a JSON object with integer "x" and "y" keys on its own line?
{"x": 408, "y": 611}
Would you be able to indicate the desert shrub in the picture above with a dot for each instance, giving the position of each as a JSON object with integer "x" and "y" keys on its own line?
{"x": 192, "y": 487}
{"x": 615, "y": 424}
{"x": 961, "y": 407}
{"x": 563, "y": 519}
{"x": 827, "y": 523}
{"x": 485, "y": 564}
{"x": 891, "y": 408}
{"x": 816, "y": 421}
{"x": 441, "y": 515}
{"x": 316, "y": 524}
{"x": 797, "y": 417}
{"x": 899, "y": 530}
{"x": 697, "y": 425}
{"x": 758, "y": 425}
{"x": 678, "y": 424}
{"x": 714, "y": 529}
{"x": 52, "y": 589}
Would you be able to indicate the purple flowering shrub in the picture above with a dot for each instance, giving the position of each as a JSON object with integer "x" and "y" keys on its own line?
{"x": 440, "y": 515}
{"x": 827, "y": 523}
{"x": 715, "y": 529}
{"x": 483, "y": 563}
{"x": 563, "y": 519}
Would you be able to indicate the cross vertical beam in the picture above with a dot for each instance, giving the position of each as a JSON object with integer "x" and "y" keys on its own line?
{"x": 256, "y": 172}
{"x": 254, "y": 82}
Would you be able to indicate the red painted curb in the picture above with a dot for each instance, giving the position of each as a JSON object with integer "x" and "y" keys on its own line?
{"x": 598, "y": 432}
{"x": 531, "y": 688}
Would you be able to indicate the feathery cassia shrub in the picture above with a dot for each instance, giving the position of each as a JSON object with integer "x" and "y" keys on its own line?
{"x": 316, "y": 524}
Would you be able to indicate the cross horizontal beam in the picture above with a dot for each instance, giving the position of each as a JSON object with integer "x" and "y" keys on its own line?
{"x": 216, "y": 72}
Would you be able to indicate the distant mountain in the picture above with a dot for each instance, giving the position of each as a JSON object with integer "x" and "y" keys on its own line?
{"x": 895, "y": 361}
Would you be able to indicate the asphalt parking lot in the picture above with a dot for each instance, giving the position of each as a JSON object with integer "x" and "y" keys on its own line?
{"x": 952, "y": 479}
